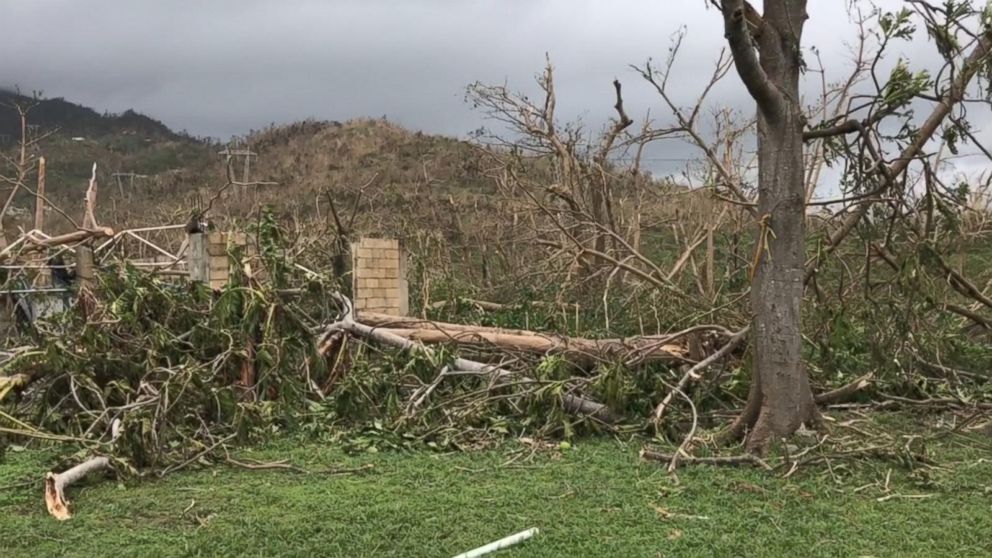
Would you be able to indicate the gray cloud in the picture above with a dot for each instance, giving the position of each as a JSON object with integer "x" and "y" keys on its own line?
{"x": 222, "y": 67}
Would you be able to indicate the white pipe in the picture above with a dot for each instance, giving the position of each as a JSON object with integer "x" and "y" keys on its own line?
{"x": 500, "y": 544}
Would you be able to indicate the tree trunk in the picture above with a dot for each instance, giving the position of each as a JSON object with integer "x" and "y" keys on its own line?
{"x": 780, "y": 399}
{"x": 581, "y": 351}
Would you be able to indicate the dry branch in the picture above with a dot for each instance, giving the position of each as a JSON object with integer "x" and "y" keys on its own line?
{"x": 89, "y": 217}
{"x": 693, "y": 373}
{"x": 39, "y": 208}
{"x": 73, "y": 237}
{"x": 844, "y": 392}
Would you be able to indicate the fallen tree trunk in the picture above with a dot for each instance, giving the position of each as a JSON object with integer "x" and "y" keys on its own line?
{"x": 572, "y": 403}
{"x": 662, "y": 348}
{"x": 390, "y": 321}
{"x": 498, "y": 306}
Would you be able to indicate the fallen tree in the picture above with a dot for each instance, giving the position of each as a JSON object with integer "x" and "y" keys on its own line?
{"x": 487, "y": 306}
{"x": 651, "y": 348}
{"x": 571, "y": 402}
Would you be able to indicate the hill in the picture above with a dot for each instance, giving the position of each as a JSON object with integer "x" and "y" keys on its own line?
{"x": 72, "y": 137}
{"x": 393, "y": 170}
{"x": 293, "y": 166}
{"x": 76, "y": 120}
{"x": 380, "y": 177}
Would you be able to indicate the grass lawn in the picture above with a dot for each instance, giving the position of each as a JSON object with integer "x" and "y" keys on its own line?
{"x": 595, "y": 499}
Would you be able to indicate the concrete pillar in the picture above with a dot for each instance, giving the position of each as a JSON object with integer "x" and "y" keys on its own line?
{"x": 379, "y": 282}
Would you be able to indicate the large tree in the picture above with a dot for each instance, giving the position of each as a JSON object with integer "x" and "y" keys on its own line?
{"x": 867, "y": 123}
{"x": 766, "y": 50}
{"x": 781, "y": 399}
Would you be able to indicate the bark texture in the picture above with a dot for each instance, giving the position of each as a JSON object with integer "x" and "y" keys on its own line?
{"x": 780, "y": 399}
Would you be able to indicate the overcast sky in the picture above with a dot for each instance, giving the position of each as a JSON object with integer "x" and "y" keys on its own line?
{"x": 222, "y": 67}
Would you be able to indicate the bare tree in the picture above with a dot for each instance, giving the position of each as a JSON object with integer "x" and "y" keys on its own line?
{"x": 25, "y": 161}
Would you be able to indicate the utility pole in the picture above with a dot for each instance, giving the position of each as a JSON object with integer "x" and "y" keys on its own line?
{"x": 235, "y": 152}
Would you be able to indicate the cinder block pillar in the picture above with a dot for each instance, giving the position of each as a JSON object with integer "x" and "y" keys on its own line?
{"x": 379, "y": 281}
{"x": 218, "y": 264}
{"x": 208, "y": 257}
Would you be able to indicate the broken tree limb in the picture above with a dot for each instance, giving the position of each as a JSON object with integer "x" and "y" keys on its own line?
{"x": 694, "y": 372}
{"x": 572, "y": 403}
{"x": 640, "y": 349}
{"x": 952, "y": 96}
{"x": 89, "y": 216}
{"x": 38, "y": 242}
{"x": 843, "y": 393}
{"x": 56, "y": 483}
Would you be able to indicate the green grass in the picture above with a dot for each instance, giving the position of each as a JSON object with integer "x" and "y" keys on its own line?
{"x": 595, "y": 499}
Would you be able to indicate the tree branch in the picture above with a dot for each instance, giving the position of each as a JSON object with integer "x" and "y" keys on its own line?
{"x": 953, "y": 96}
{"x": 758, "y": 84}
